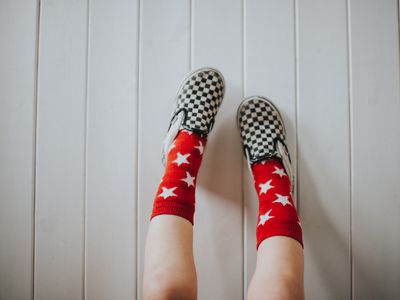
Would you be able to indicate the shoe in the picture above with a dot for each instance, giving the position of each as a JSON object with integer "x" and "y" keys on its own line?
{"x": 263, "y": 133}
{"x": 197, "y": 102}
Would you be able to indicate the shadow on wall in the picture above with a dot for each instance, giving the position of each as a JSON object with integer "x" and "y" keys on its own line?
{"x": 327, "y": 239}
{"x": 222, "y": 163}
{"x": 218, "y": 217}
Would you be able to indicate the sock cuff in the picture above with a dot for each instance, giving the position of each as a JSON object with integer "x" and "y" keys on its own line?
{"x": 183, "y": 209}
{"x": 290, "y": 229}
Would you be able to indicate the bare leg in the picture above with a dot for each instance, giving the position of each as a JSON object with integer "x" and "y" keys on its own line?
{"x": 280, "y": 261}
{"x": 279, "y": 270}
{"x": 169, "y": 270}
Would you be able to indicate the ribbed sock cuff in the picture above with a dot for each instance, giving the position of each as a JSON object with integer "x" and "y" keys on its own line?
{"x": 184, "y": 210}
{"x": 290, "y": 229}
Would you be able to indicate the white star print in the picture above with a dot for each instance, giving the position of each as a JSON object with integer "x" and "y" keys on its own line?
{"x": 181, "y": 159}
{"x": 280, "y": 172}
{"x": 265, "y": 217}
{"x": 282, "y": 199}
{"x": 200, "y": 147}
{"x": 265, "y": 187}
{"x": 189, "y": 179}
{"x": 167, "y": 192}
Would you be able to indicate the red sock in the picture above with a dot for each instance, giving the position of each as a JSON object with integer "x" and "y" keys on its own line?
{"x": 277, "y": 214}
{"x": 176, "y": 192}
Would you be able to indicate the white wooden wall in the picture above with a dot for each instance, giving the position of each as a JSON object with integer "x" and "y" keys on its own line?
{"x": 86, "y": 89}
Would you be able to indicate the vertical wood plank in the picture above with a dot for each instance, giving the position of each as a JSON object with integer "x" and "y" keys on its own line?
{"x": 164, "y": 61}
{"x": 323, "y": 147}
{"x": 376, "y": 149}
{"x": 111, "y": 150}
{"x": 270, "y": 72}
{"x": 61, "y": 150}
{"x": 217, "y": 42}
{"x": 18, "y": 34}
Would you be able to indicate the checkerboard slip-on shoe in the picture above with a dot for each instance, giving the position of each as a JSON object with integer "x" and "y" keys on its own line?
{"x": 263, "y": 133}
{"x": 197, "y": 102}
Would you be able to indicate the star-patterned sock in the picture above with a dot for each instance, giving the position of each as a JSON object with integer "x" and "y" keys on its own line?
{"x": 277, "y": 214}
{"x": 176, "y": 192}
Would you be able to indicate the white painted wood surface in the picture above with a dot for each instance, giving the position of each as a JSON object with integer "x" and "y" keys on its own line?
{"x": 18, "y": 33}
{"x": 61, "y": 139}
{"x": 111, "y": 150}
{"x": 376, "y": 149}
{"x": 76, "y": 194}
{"x": 323, "y": 147}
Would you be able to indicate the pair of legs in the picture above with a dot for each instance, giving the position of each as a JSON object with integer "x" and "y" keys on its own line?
{"x": 170, "y": 271}
{"x": 278, "y": 274}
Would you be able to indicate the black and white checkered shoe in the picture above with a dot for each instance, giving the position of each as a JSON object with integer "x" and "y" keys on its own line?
{"x": 263, "y": 133}
{"x": 197, "y": 102}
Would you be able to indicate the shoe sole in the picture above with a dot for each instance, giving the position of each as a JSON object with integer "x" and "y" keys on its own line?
{"x": 262, "y": 99}
{"x": 183, "y": 83}
{"x": 190, "y": 75}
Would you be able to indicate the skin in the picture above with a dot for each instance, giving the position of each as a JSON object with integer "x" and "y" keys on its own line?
{"x": 169, "y": 270}
{"x": 279, "y": 270}
{"x": 278, "y": 275}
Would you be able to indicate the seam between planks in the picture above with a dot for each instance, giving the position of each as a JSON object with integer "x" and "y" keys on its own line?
{"x": 136, "y": 175}
{"x": 85, "y": 152}
{"x": 350, "y": 127}
{"x": 297, "y": 98}
{"x": 35, "y": 145}
{"x": 244, "y": 214}
{"x": 243, "y": 208}
{"x": 191, "y": 34}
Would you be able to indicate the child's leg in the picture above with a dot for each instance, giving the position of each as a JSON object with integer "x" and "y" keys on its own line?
{"x": 279, "y": 269}
{"x": 169, "y": 271}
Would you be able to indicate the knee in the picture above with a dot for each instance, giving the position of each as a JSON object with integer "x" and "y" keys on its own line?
{"x": 276, "y": 287}
{"x": 165, "y": 286}
{"x": 290, "y": 287}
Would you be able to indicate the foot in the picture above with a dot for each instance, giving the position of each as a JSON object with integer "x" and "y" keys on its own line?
{"x": 197, "y": 102}
{"x": 263, "y": 133}
{"x": 263, "y": 137}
